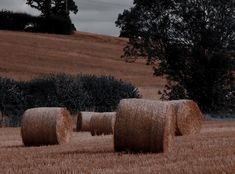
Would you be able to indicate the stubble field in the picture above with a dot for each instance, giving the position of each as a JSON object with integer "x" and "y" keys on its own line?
{"x": 24, "y": 56}
{"x": 210, "y": 152}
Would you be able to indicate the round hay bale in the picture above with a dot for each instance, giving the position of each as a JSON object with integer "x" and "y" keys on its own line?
{"x": 83, "y": 121}
{"x": 95, "y": 125}
{"x": 189, "y": 117}
{"x": 113, "y": 122}
{"x": 102, "y": 123}
{"x": 46, "y": 126}
{"x": 144, "y": 126}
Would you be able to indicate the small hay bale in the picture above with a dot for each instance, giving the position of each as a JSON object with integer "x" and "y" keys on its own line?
{"x": 46, "y": 126}
{"x": 102, "y": 123}
{"x": 144, "y": 126}
{"x": 83, "y": 121}
{"x": 113, "y": 122}
{"x": 189, "y": 117}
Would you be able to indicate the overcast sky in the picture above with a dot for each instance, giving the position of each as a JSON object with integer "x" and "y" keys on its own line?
{"x": 96, "y": 16}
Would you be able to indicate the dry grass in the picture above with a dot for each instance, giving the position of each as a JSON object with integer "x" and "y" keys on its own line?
{"x": 36, "y": 54}
{"x": 46, "y": 126}
{"x": 210, "y": 152}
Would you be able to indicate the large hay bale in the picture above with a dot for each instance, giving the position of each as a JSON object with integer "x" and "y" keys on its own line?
{"x": 46, "y": 126}
{"x": 83, "y": 121}
{"x": 189, "y": 117}
{"x": 102, "y": 123}
{"x": 144, "y": 126}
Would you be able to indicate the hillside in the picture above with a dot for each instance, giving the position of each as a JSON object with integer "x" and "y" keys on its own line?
{"x": 25, "y": 55}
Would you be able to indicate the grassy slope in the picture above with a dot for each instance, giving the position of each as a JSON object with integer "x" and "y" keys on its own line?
{"x": 25, "y": 55}
{"x": 210, "y": 152}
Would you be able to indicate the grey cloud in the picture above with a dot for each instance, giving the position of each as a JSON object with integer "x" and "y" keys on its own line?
{"x": 107, "y": 28}
{"x": 96, "y": 16}
{"x": 100, "y": 5}
{"x": 100, "y": 15}
{"x": 17, "y": 5}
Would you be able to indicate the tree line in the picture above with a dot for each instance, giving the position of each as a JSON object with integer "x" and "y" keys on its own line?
{"x": 54, "y": 7}
{"x": 54, "y": 17}
{"x": 191, "y": 43}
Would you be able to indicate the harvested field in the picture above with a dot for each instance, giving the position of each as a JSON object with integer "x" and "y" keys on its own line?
{"x": 210, "y": 152}
{"x": 32, "y": 55}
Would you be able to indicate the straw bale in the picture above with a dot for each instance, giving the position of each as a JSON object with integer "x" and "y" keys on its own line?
{"x": 83, "y": 121}
{"x": 102, "y": 123}
{"x": 144, "y": 126}
{"x": 189, "y": 117}
{"x": 46, "y": 126}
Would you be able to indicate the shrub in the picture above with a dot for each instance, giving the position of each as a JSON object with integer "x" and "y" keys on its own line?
{"x": 54, "y": 24}
{"x": 102, "y": 94}
{"x": 76, "y": 93}
{"x": 39, "y": 92}
{"x": 11, "y": 103}
{"x": 67, "y": 91}
{"x": 52, "y": 90}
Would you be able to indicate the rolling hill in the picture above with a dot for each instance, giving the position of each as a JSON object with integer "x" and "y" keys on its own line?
{"x": 24, "y": 56}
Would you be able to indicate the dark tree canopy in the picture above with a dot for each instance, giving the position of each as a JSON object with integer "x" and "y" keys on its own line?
{"x": 191, "y": 41}
{"x": 54, "y": 7}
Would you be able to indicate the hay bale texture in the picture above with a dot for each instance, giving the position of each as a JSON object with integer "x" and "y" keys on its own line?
{"x": 46, "y": 126}
{"x": 189, "y": 117}
{"x": 102, "y": 123}
{"x": 83, "y": 121}
{"x": 144, "y": 126}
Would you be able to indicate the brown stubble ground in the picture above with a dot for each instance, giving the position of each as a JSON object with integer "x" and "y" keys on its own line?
{"x": 210, "y": 152}
{"x": 24, "y": 56}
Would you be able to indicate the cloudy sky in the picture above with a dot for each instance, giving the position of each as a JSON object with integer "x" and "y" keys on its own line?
{"x": 96, "y": 16}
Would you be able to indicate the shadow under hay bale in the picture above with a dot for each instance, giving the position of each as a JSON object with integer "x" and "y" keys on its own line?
{"x": 83, "y": 121}
{"x": 188, "y": 117}
{"x": 102, "y": 123}
{"x": 46, "y": 126}
{"x": 144, "y": 126}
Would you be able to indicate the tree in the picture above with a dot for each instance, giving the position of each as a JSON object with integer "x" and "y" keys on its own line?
{"x": 192, "y": 43}
{"x": 54, "y": 7}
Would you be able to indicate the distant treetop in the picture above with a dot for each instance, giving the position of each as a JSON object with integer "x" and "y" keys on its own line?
{"x": 54, "y": 7}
